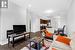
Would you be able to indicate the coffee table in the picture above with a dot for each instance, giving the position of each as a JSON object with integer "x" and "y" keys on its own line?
{"x": 37, "y": 41}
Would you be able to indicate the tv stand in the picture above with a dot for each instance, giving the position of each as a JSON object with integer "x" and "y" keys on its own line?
{"x": 14, "y": 36}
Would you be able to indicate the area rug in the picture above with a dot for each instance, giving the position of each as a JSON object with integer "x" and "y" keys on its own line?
{"x": 47, "y": 45}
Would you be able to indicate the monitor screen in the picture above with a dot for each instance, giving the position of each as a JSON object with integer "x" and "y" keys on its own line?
{"x": 19, "y": 28}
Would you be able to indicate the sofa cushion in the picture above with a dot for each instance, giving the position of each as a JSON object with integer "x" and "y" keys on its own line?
{"x": 63, "y": 39}
{"x": 61, "y": 45}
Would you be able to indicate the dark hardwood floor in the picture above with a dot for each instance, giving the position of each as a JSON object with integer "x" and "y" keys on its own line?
{"x": 17, "y": 46}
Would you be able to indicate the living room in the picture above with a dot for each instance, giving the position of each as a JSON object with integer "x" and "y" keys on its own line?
{"x": 29, "y": 13}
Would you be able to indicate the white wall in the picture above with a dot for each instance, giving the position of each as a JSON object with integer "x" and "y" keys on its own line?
{"x": 58, "y": 21}
{"x": 0, "y": 25}
{"x": 58, "y": 6}
{"x": 71, "y": 19}
{"x": 35, "y": 23}
{"x": 14, "y": 14}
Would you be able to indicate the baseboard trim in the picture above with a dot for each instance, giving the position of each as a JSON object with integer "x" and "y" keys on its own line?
{"x": 0, "y": 42}
{"x": 4, "y": 42}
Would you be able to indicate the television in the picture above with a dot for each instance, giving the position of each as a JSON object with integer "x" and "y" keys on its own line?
{"x": 19, "y": 28}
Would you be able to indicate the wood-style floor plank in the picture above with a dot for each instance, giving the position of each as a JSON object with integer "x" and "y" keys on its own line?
{"x": 17, "y": 46}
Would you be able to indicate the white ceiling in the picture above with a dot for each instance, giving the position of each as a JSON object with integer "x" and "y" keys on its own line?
{"x": 40, "y": 6}
{"x": 57, "y": 6}
{"x": 21, "y": 3}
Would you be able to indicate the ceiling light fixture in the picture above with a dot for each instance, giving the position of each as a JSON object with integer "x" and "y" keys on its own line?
{"x": 48, "y": 11}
